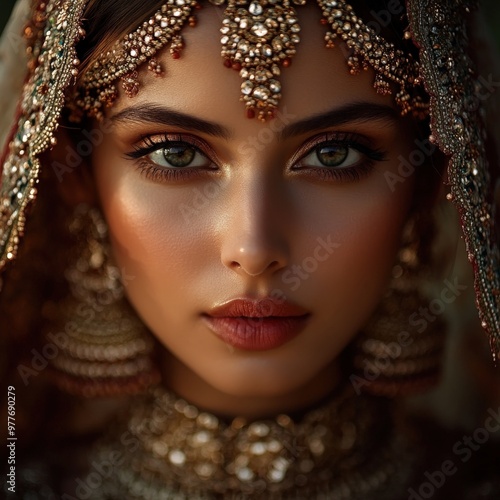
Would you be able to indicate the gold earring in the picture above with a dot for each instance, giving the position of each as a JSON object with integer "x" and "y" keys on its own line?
{"x": 103, "y": 348}
{"x": 400, "y": 350}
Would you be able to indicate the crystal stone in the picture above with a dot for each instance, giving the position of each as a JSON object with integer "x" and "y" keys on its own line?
{"x": 276, "y": 476}
{"x": 259, "y": 29}
{"x": 243, "y": 46}
{"x": 275, "y": 86}
{"x": 205, "y": 469}
{"x": 261, "y": 93}
{"x": 267, "y": 50}
{"x": 258, "y": 429}
{"x": 257, "y": 448}
{"x": 255, "y": 9}
{"x": 277, "y": 44}
{"x": 247, "y": 87}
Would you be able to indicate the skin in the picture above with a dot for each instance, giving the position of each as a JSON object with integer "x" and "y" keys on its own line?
{"x": 259, "y": 219}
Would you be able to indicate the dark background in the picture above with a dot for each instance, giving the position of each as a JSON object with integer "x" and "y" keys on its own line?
{"x": 492, "y": 10}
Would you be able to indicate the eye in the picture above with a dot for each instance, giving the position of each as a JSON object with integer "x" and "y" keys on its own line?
{"x": 332, "y": 155}
{"x": 178, "y": 155}
{"x": 338, "y": 157}
{"x": 173, "y": 157}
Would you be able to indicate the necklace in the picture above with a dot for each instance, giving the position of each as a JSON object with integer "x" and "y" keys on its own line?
{"x": 347, "y": 448}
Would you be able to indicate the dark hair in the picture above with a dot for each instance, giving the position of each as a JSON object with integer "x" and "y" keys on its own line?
{"x": 106, "y": 21}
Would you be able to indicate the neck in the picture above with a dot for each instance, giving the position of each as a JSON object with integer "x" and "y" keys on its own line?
{"x": 189, "y": 386}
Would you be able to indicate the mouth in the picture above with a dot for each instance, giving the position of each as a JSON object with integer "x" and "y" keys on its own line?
{"x": 256, "y": 325}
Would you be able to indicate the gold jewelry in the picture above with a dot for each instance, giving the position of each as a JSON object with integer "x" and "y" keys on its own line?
{"x": 441, "y": 32}
{"x": 258, "y": 37}
{"x": 104, "y": 349}
{"x": 400, "y": 352}
{"x": 349, "y": 447}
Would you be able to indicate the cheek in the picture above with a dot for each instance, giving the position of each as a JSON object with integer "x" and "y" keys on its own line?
{"x": 151, "y": 232}
{"x": 369, "y": 243}
{"x": 372, "y": 231}
{"x": 363, "y": 228}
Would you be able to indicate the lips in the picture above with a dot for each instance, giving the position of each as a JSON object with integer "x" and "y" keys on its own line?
{"x": 256, "y": 325}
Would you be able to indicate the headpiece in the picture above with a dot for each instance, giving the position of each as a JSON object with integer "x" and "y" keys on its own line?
{"x": 259, "y": 37}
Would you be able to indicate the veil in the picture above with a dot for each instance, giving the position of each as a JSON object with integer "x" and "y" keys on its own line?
{"x": 12, "y": 69}
{"x": 458, "y": 94}
{"x": 440, "y": 30}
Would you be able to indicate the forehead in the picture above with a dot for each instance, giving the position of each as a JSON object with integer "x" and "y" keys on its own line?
{"x": 199, "y": 84}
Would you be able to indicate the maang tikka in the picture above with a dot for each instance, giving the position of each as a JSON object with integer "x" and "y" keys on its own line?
{"x": 259, "y": 37}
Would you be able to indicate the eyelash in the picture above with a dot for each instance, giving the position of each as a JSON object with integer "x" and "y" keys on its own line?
{"x": 351, "y": 173}
{"x": 346, "y": 139}
{"x": 158, "y": 173}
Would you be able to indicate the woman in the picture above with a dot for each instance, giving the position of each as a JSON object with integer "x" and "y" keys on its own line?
{"x": 240, "y": 269}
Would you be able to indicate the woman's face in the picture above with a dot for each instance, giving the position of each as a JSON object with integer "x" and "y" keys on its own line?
{"x": 236, "y": 208}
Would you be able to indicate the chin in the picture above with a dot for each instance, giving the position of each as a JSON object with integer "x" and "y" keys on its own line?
{"x": 248, "y": 380}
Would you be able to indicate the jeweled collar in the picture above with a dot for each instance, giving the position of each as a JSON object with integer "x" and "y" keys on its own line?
{"x": 349, "y": 447}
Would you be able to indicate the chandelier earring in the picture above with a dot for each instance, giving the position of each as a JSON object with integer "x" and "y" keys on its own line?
{"x": 399, "y": 352}
{"x": 103, "y": 347}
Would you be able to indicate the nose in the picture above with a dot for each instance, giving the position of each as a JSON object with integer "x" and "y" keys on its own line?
{"x": 254, "y": 241}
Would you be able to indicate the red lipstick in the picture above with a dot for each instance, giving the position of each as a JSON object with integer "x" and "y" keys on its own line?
{"x": 256, "y": 325}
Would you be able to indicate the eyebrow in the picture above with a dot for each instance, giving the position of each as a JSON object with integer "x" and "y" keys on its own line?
{"x": 348, "y": 113}
{"x": 154, "y": 113}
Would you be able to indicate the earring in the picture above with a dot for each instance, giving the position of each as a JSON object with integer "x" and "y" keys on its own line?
{"x": 103, "y": 347}
{"x": 400, "y": 351}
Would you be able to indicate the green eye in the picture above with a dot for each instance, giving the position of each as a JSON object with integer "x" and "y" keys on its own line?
{"x": 178, "y": 156}
{"x": 332, "y": 156}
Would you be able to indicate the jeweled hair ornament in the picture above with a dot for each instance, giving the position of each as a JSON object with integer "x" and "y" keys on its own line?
{"x": 258, "y": 39}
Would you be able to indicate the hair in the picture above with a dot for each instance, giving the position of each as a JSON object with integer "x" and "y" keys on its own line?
{"x": 105, "y": 22}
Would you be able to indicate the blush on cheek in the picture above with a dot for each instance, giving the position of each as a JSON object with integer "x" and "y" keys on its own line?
{"x": 145, "y": 221}
{"x": 153, "y": 244}
{"x": 370, "y": 244}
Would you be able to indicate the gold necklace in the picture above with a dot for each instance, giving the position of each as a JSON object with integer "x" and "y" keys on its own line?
{"x": 347, "y": 448}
